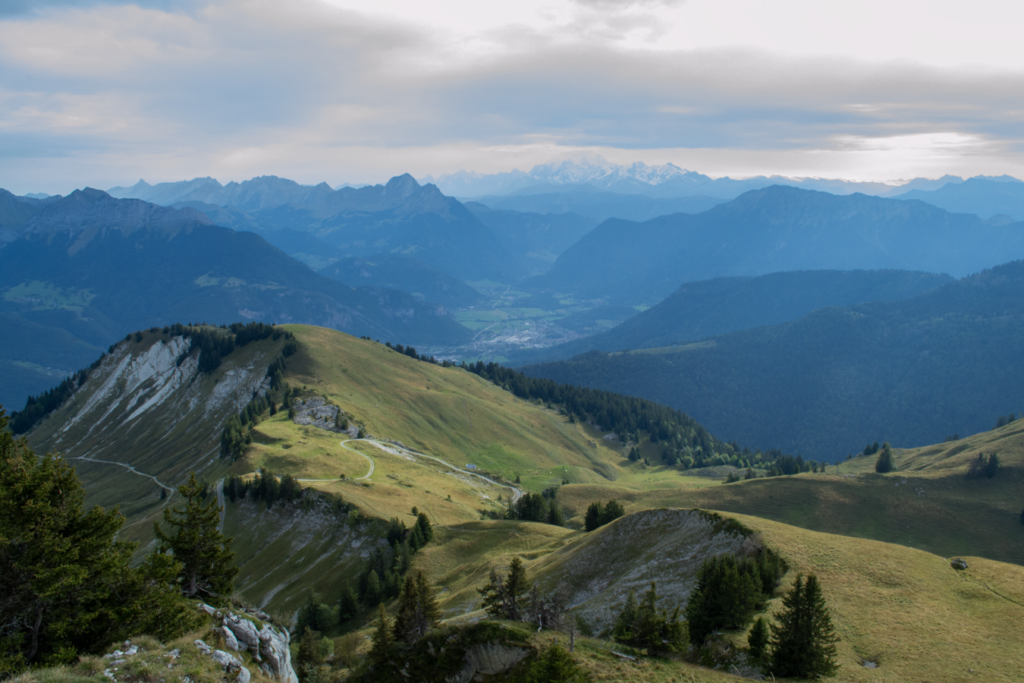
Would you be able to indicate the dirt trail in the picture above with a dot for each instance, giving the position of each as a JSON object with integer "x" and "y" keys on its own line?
{"x": 388, "y": 446}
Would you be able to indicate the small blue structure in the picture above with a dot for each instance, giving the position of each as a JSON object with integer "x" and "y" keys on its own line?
{"x": 470, "y": 467}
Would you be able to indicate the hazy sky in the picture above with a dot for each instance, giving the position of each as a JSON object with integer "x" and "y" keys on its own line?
{"x": 104, "y": 93}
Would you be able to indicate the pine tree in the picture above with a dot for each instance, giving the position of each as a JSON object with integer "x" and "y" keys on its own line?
{"x": 380, "y": 651}
{"x": 207, "y": 561}
{"x": 803, "y": 644}
{"x": 503, "y": 595}
{"x": 757, "y": 641}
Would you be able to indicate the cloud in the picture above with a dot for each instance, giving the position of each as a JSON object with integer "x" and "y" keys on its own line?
{"x": 102, "y": 93}
{"x": 13, "y": 8}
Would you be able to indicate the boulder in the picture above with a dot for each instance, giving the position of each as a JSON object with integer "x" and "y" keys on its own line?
{"x": 230, "y": 642}
{"x": 958, "y": 564}
{"x": 245, "y": 633}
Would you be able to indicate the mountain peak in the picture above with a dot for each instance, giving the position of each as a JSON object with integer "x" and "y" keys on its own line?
{"x": 401, "y": 185}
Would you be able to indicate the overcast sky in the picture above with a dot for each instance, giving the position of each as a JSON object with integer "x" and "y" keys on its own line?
{"x": 104, "y": 93}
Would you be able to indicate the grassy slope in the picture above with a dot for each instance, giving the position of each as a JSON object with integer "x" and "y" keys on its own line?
{"x": 448, "y": 412}
{"x": 903, "y": 608}
{"x": 930, "y": 504}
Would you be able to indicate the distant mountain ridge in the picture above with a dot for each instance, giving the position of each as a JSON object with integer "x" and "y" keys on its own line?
{"x": 399, "y": 217}
{"x": 773, "y": 230}
{"x": 666, "y": 180}
{"x": 985, "y": 197}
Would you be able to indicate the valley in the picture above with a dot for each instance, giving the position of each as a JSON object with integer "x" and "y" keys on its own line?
{"x": 880, "y": 543}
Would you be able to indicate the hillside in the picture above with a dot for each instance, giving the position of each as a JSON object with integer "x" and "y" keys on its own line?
{"x": 698, "y": 310}
{"x": 773, "y": 230}
{"x": 141, "y": 420}
{"x": 985, "y": 197}
{"x": 877, "y": 593}
{"x": 910, "y": 372}
{"x": 97, "y": 268}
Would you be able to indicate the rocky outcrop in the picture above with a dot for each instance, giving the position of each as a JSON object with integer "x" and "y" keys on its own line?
{"x": 489, "y": 659}
{"x": 267, "y": 644}
{"x": 317, "y": 412}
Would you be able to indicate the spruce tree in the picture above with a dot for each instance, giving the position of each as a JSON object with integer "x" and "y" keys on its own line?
{"x": 308, "y": 658}
{"x": 208, "y": 569}
{"x": 409, "y": 615}
{"x": 348, "y": 604}
{"x": 803, "y": 643}
{"x": 885, "y": 462}
{"x": 757, "y": 641}
{"x": 428, "y": 600}
{"x": 592, "y": 520}
{"x": 625, "y": 629}
{"x": 380, "y": 651}
{"x": 424, "y": 526}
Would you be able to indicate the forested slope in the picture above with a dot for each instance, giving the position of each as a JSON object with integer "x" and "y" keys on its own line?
{"x": 910, "y": 372}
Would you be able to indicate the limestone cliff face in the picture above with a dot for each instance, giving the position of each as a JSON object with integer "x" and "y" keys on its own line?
{"x": 146, "y": 417}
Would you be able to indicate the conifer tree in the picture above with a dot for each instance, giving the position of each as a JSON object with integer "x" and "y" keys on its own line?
{"x": 757, "y": 641}
{"x": 428, "y": 600}
{"x": 803, "y": 644}
{"x": 308, "y": 658}
{"x": 208, "y": 569}
{"x": 380, "y": 651}
{"x": 503, "y": 595}
{"x": 348, "y": 604}
{"x": 424, "y": 526}
{"x": 647, "y": 627}
{"x": 626, "y": 628}
{"x": 885, "y": 462}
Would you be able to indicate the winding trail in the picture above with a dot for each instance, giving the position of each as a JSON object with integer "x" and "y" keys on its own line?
{"x": 388, "y": 446}
{"x": 126, "y": 466}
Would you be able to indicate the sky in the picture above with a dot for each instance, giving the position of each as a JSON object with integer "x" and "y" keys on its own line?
{"x": 103, "y": 93}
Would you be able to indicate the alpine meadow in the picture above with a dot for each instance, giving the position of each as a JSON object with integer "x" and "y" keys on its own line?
{"x": 555, "y": 342}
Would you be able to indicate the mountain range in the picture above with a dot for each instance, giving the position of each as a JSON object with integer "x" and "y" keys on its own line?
{"x": 666, "y": 180}
{"x": 97, "y": 267}
{"x": 983, "y": 196}
{"x": 773, "y": 230}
